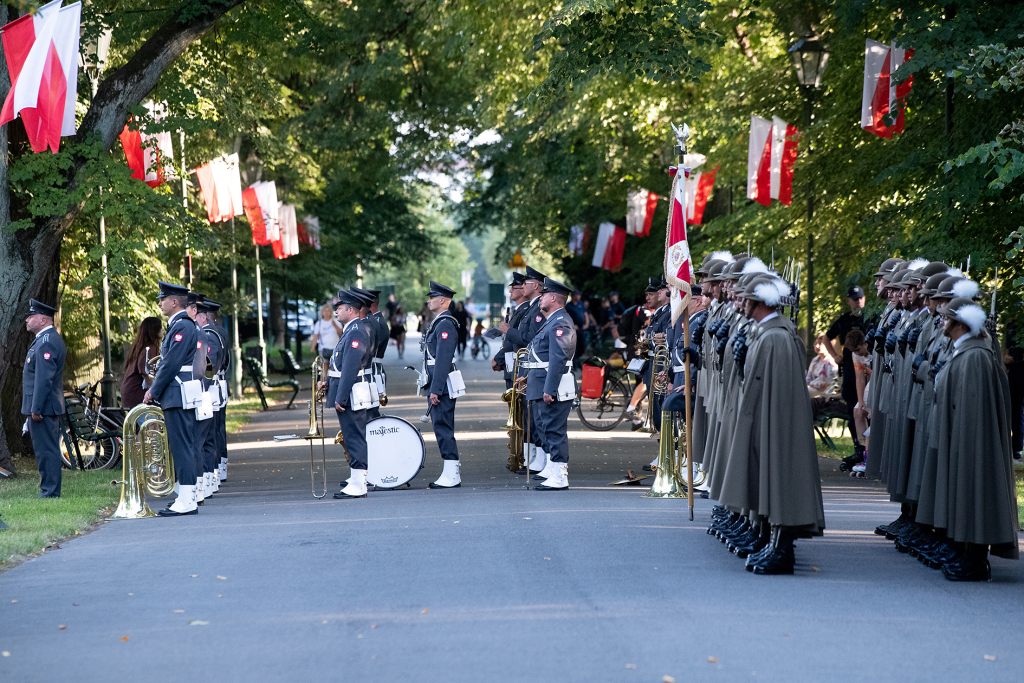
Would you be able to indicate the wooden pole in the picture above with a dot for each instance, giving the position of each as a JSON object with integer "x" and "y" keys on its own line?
{"x": 689, "y": 415}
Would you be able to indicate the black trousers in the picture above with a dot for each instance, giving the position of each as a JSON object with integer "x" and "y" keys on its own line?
{"x": 182, "y": 433}
{"x": 206, "y": 450}
{"x": 46, "y": 443}
{"x": 443, "y": 417}
{"x": 850, "y": 397}
{"x": 221, "y": 418}
{"x": 353, "y": 429}
{"x": 553, "y": 423}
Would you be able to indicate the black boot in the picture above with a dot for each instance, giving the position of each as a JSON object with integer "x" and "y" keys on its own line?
{"x": 782, "y": 558}
{"x": 764, "y": 552}
{"x": 971, "y": 566}
{"x": 756, "y": 545}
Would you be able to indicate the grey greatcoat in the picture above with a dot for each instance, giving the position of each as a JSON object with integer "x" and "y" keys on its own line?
{"x": 728, "y": 411}
{"x": 773, "y": 463}
{"x": 878, "y": 416}
{"x": 899, "y": 435}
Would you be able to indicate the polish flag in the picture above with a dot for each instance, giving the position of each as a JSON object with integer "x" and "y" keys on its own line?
{"x": 609, "y": 246}
{"x": 260, "y": 203}
{"x": 309, "y": 232}
{"x": 288, "y": 244}
{"x": 640, "y": 206}
{"x": 881, "y": 94}
{"x": 579, "y": 237}
{"x": 698, "y": 191}
{"x": 42, "y": 59}
{"x": 147, "y": 154}
{"x": 677, "y": 249}
{"x": 221, "y": 187}
{"x": 770, "y": 155}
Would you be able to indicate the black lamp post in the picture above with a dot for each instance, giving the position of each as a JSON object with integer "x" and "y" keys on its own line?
{"x": 810, "y": 57}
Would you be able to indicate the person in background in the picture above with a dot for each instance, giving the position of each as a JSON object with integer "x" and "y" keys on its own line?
{"x": 462, "y": 317}
{"x": 851, "y": 320}
{"x": 391, "y": 306}
{"x": 326, "y": 333}
{"x": 396, "y": 321}
{"x": 856, "y": 342}
{"x": 145, "y": 347}
{"x": 616, "y": 306}
{"x": 605, "y": 321}
{"x": 426, "y": 316}
{"x": 822, "y": 369}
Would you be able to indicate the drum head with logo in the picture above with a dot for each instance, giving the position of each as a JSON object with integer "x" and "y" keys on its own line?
{"x": 394, "y": 452}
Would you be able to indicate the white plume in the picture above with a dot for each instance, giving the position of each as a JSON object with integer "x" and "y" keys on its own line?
{"x": 754, "y": 265}
{"x": 918, "y": 263}
{"x": 954, "y": 272}
{"x": 722, "y": 256}
{"x": 769, "y": 293}
{"x": 968, "y": 289}
{"x": 783, "y": 287}
{"x": 973, "y": 316}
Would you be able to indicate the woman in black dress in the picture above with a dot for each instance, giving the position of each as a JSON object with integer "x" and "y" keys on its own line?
{"x": 145, "y": 347}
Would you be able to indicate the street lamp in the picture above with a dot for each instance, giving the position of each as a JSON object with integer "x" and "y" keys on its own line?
{"x": 94, "y": 59}
{"x": 810, "y": 57}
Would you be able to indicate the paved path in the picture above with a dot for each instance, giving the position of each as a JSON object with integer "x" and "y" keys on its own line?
{"x": 489, "y": 582}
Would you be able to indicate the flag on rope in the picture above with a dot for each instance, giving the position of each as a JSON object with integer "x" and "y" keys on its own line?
{"x": 698, "y": 190}
{"x": 881, "y": 94}
{"x": 640, "y": 206}
{"x": 309, "y": 232}
{"x": 42, "y": 59}
{"x": 221, "y": 187}
{"x": 288, "y": 244}
{"x": 147, "y": 154}
{"x": 770, "y": 155}
{"x": 257, "y": 201}
{"x": 579, "y": 239}
{"x": 608, "y": 248}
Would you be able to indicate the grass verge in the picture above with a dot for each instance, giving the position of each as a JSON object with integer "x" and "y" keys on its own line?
{"x": 1020, "y": 497}
{"x": 240, "y": 410}
{"x": 86, "y": 498}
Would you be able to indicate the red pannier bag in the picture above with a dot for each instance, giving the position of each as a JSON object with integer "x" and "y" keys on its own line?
{"x": 593, "y": 381}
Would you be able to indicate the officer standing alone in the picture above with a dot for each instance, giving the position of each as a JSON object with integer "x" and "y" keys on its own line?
{"x": 439, "y": 344}
{"x": 42, "y": 397}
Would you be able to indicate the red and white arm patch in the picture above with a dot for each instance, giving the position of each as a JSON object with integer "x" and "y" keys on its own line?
{"x": 178, "y": 337}
{"x": 538, "y": 319}
{"x": 558, "y": 332}
{"x": 444, "y": 335}
{"x": 199, "y": 345}
{"x": 355, "y": 345}
{"x": 46, "y": 355}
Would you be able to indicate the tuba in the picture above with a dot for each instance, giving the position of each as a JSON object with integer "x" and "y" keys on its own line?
{"x": 147, "y": 465}
{"x": 316, "y": 423}
{"x": 659, "y": 364}
{"x": 514, "y": 398}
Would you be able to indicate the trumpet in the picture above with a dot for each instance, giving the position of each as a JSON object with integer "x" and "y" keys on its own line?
{"x": 147, "y": 465}
{"x": 659, "y": 384}
{"x": 514, "y": 398}
{"x": 316, "y": 423}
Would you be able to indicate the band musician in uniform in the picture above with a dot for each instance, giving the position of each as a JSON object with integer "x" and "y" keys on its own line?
{"x": 42, "y": 396}
{"x": 551, "y": 385}
{"x": 177, "y": 354}
{"x": 438, "y": 346}
{"x": 505, "y": 358}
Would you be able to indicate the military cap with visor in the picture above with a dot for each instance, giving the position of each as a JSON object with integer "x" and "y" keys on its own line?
{"x": 167, "y": 289}
{"x": 437, "y": 289}
{"x": 555, "y": 287}
{"x": 39, "y": 308}
{"x": 532, "y": 274}
{"x": 349, "y": 298}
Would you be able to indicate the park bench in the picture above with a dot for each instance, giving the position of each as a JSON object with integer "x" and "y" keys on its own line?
{"x": 259, "y": 380}
{"x": 821, "y": 423}
{"x": 80, "y": 428}
{"x": 291, "y": 366}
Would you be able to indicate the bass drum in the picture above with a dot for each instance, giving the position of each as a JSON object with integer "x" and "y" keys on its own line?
{"x": 394, "y": 451}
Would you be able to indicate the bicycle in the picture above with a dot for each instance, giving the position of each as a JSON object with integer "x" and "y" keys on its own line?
{"x": 90, "y": 433}
{"x": 480, "y": 346}
{"x": 607, "y": 411}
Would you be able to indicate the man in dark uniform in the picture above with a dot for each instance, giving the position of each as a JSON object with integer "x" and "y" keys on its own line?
{"x": 504, "y": 359}
{"x": 520, "y": 337}
{"x": 657, "y": 331}
{"x": 199, "y": 372}
{"x": 225, "y": 393}
{"x": 42, "y": 396}
{"x": 851, "y": 320}
{"x": 383, "y": 335}
{"x": 438, "y": 346}
{"x": 177, "y": 356}
{"x": 216, "y": 354}
{"x": 349, "y": 362}
{"x": 370, "y": 325}
{"x": 551, "y": 385}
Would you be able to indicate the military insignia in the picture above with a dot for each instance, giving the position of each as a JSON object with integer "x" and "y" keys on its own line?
{"x": 355, "y": 345}
{"x": 199, "y": 345}
{"x": 444, "y": 335}
{"x": 46, "y": 355}
{"x": 537, "y": 319}
{"x": 558, "y": 333}
{"x": 178, "y": 337}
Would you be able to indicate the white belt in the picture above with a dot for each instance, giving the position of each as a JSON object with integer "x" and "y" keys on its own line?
{"x": 678, "y": 368}
{"x": 185, "y": 368}
{"x": 541, "y": 365}
{"x": 365, "y": 373}
{"x": 334, "y": 373}
{"x": 379, "y": 359}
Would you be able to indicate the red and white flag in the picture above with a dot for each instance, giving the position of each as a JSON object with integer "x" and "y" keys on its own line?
{"x": 640, "y": 206}
{"x": 260, "y": 204}
{"x": 609, "y": 246}
{"x": 698, "y": 190}
{"x": 678, "y": 271}
{"x": 579, "y": 238}
{"x": 148, "y": 154}
{"x": 42, "y": 59}
{"x": 288, "y": 244}
{"x": 221, "y": 187}
{"x": 770, "y": 155}
{"x": 881, "y": 94}
{"x": 309, "y": 232}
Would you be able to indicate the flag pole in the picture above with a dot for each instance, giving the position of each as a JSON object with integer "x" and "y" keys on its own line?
{"x": 259, "y": 312}
{"x": 236, "y": 349}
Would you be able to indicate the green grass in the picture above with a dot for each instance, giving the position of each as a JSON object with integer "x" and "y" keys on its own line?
{"x": 240, "y": 411}
{"x": 1020, "y": 497}
{"x": 86, "y": 497}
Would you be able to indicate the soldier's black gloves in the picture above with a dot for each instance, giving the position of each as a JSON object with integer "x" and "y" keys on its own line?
{"x": 902, "y": 341}
{"x": 693, "y": 354}
{"x": 880, "y": 338}
{"x": 697, "y": 333}
{"x": 870, "y": 339}
{"x": 739, "y": 352}
{"x": 713, "y": 327}
{"x": 723, "y": 331}
{"x": 890, "y": 343}
{"x": 918, "y": 359}
{"x": 938, "y": 366}
{"x": 912, "y": 338}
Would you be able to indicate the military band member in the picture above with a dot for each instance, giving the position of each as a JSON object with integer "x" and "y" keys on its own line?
{"x": 505, "y": 358}
{"x": 551, "y": 384}
{"x": 177, "y": 356}
{"x": 520, "y": 336}
{"x": 382, "y": 335}
{"x": 876, "y": 346}
{"x": 42, "y": 394}
{"x": 438, "y": 344}
{"x": 657, "y": 330}
{"x": 349, "y": 367}
{"x": 216, "y": 355}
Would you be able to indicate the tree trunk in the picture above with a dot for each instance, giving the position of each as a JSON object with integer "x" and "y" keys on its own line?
{"x": 30, "y": 258}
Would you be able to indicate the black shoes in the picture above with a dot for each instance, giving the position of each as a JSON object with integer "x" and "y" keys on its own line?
{"x": 545, "y": 487}
{"x": 168, "y": 512}
{"x": 341, "y": 496}
{"x": 435, "y": 485}
{"x": 967, "y": 568}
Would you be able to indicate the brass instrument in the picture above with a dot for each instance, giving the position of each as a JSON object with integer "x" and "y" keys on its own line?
{"x": 340, "y": 438}
{"x": 514, "y": 398}
{"x": 147, "y": 464}
{"x": 666, "y": 482}
{"x": 659, "y": 385}
{"x": 152, "y": 365}
{"x": 316, "y": 423}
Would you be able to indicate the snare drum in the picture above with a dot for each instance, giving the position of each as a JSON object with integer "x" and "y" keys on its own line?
{"x": 394, "y": 451}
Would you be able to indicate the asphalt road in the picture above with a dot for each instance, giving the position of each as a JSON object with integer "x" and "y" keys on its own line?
{"x": 489, "y": 582}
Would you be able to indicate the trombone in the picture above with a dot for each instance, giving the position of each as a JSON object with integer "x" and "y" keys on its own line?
{"x": 514, "y": 398}
{"x": 316, "y": 424}
{"x": 659, "y": 384}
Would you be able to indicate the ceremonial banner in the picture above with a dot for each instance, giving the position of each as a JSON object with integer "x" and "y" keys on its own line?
{"x": 221, "y": 188}
{"x": 609, "y": 246}
{"x": 263, "y": 200}
{"x": 678, "y": 271}
{"x": 147, "y": 154}
{"x": 640, "y": 206}
{"x": 698, "y": 190}
{"x": 881, "y": 96}
{"x": 770, "y": 155}
{"x": 578, "y": 235}
{"x": 784, "y": 150}
{"x": 288, "y": 244}
{"x": 309, "y": 232}
{"x": 42, "y": 60}
{"x": 251, "y": 204}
